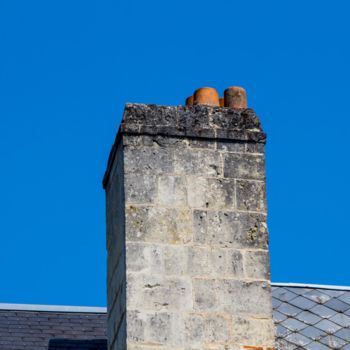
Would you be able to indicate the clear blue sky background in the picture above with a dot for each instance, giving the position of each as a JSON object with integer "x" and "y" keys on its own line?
{"x": 68, "y": 67}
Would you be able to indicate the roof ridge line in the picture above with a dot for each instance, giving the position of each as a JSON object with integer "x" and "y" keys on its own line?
{"x": 309, "y": 285}
{"x": 52, "y": 308}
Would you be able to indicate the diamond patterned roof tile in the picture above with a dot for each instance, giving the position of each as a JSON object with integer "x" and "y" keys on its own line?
{"x": 328, "y": 326}
{"x": 333, "y": 342}
{"x": 288, "y": 310}
{"x": 317, "y": 296}
{"x": 308, "y": 317}
{"x": 298, "y": 339}
{"x": 316, "y": 346}
{"x": 323, "y": 311}
{"x": 313, "y": 333}
{"x": 302, "y": 303}
{"x": 337, "y": 305}
{"x": 293, "y": 325}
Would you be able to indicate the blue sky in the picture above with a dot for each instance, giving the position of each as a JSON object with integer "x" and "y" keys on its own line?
{"x": 68, "y": 67}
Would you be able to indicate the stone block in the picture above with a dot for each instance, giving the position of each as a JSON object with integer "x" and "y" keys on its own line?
{"x": 197, "y": 162}
{"x": 222, "y": 347}
{"x": 256, "y": 264}
{"x": 234, "y": 263}
{"x": 156, "y": 329}
{"x": 234, "y": 119}
{"x": 193, "y": 119}
{"x": 194, "y": 329}
{"x": 244, "y": 166}
{"x": 175, "y": 260}
{"x": 172, "y": 191}
{"x": 250, "y": 195}
{"x": 248, "y": 330}
{"x": 253, "y": 147}
{"x": 229, "y": 229}
{"x": 202, "y": 143}
{"x": 170, "y": 142}
{"x": 148, "y": 160}
{"x": 158, "y": 225}
{"x": 141, "y": 346}
{"x": 229, "y": 146}
{"x": 136, "y": 326}
{"x": 205, "y": 294}
{"x": 156, "y": 259}
{"x": 217, "y": 328}
{"x": 151, "y": 114}
{"x": 140, "y": 189}
{"x": 159, "y": 328}
{"x": 214, "y": 262}
{"x": 211, "y": 193}
{"x": 157, "y": 292}
{"x": 241, "y": 297}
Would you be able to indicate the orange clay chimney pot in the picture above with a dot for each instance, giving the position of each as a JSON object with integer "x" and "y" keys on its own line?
{"x": 235, "y": 97}
{"x": 206, "y": 96}
{"x": 189, "y": 101}
{"x": 222, "y": 102}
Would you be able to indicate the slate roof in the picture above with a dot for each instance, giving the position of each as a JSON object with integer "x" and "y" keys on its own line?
{"x": 311, "y": 317}
{"x": 52, "y": 330}
{"x": 306, "y": 316}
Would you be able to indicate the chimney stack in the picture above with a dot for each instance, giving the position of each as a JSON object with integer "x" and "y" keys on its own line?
{"x": 188, "y": 262}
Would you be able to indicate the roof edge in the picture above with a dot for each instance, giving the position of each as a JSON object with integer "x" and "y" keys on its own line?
{"x": 308, "y": 285}
{"x": 52, "y": 308}
{"x": 94, "y": 309}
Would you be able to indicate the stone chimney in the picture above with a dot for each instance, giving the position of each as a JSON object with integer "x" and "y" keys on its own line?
{"x": 188, "y": 261}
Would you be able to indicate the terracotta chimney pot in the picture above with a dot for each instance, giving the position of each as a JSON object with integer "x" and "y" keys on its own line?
{"x": 206, "y": 96}
{"x": 235, "y": 97}
{"x": 189, "y": 101}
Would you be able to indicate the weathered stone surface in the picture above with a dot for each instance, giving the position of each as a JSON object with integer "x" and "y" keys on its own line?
{"x": 256, "y": 264}
{"x": 248, "y": 330}
{"x": 251, "y": 195}
{"x": 158, "y": 292}
{"x": 217, "y": 329}
{"x": 172, "y": 191}
{"x": 188, "y": 264}
{"x": 140, "y": 188}
{"x": 235, "y": 119}
{"x": 148, "y": 160}
{"x": 230, "y": 229}
{"x": 194, "y": 329}
{"x": 254, "y": 147}
{"x": 240, "y": 297}
{"x": 155, "y": 329}
{"x": 157, "y": 259}
{"x": 208, "y": 193}
{"x": 153, "y": 115}
{"x": 136, "y": 326}
{"x": 197, "y": 162}
{"x": 247, "y": 166}
{"x": 209, "y": 262}
{"x": 200, "y": 143}
{"x": 228, "y": 146}
{"x": 158, "y": 225}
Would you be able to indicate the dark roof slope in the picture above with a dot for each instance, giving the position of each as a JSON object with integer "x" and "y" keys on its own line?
{"x": 59, "y": 330}
{"x": 312, "y": 317}
{"x": 306, "y": 317}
